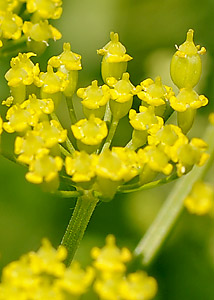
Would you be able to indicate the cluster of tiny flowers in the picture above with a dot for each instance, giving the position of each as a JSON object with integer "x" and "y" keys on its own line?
{"x": 200, "y": 201}
{"x": 42, "y": 275}
{"x": 91, "y": 162}
{"x": 29, "y": 19}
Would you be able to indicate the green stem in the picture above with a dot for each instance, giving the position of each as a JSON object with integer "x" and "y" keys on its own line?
{"x": 111, "y": 133}
{"x": 68, "y": 194}
{"x": 67, "y": 141}
{"x": 135, "y": 187}
{"x": 72, "y": 114}
{"x": 154, "y": 238}
{"x": 74, "y": 233}
{"x": 64, "y": 151}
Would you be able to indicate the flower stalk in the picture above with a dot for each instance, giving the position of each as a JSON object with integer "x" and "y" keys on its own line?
{"x": 76, "y": 228}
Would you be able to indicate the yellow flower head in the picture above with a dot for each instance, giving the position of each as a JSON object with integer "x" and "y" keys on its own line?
{"x": 41, "y": 32}
{"x": 138, "y": 286}
{"x": 46, "y": 9}
{"x": 90, "y": 132}
{"x": 123, "y": 90}
{"x": 51, "y": 132}
{"x": 155, "y": 159}
{"x": 53, "y": 82}
{"x": 110, "y": 258}
{"x": 145, "y": 119}
{"x": 188, "y": 154}
{"x": 187, "y": 98}
{"x": 44, "y": 168}
{"x": 28, "y": 146}
{"x": 114, "y": 50}
{"x": 38, "y": 106}
{"x": 8, "y": 102}
{"x": 81, "y": 166}
{"x": 19, "y": 119}
{"x": 154, "y": 92}
{"x": 22, "y": 71}
{"x": 8, "y": 5}
{"x": 108, "y": 288}
{"x": 200, "y": 200}
{"x": 10, "y": 25}
{"x": 94, "y": 96}
{"x": 70, "y": 60}
{"x": 75, "y": 280}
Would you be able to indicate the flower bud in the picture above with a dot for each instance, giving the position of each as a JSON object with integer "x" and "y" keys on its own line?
{"x": 186, "y": 63}
{"x": 115, "y": 59}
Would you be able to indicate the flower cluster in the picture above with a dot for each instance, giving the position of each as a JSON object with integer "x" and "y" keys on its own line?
{"x": 28, "y": 20}
{"x": 43, "y": 275}
{"x": 91, "y": 163}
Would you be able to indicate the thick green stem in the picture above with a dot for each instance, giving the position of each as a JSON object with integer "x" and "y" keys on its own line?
{"x": 74, "y": 233}
{"x": 111, "y": 133}
{"x": 154, "y": 238}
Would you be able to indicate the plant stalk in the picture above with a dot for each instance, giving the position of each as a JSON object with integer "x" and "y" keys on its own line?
{"x": 78, "y": 223}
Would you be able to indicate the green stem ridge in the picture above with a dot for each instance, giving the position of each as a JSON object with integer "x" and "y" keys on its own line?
{"x": 78, "y": 223}
{"x": 68, "y": 194}
{"x": 71, "y": 110}
{"x": 154, "y": 238}
{"x": 111, "y": 133}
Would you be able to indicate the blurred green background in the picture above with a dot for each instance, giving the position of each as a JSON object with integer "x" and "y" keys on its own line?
{"x": 149, "y": 30}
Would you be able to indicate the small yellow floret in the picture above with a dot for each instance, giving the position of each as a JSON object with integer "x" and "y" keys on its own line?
{"x": 75, "y": 280}
{"x": 53, "y": 82}
{"x": 46, "y": 9}
{"x": 211, "y": 118}
{"x": 1, "y": 125}
{"x": 51, "y": 132}
{"x": 94, "y": 96}
{"x": 10, "y": 25}
{"x": 22, "y": 71}
{"x": 201, "y": 198}
{"x": 44, "y": 168}
{"x": 154, "y": 92}
{"x": 81, "y": 166}
{"x": 187, "y": 98}
{"x": 90, "y": 132}
{"x": 41, "y": 32}
{"x": 138, "y": 286}
{"x": 114, "y": 51}
{"x": 110, "y": 258}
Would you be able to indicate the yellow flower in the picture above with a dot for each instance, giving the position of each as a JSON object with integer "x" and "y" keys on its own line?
{"x": 110, "y": 259}
{"x": 19, "y": 119}
{"x": 53, "y": 82}
{"x": 8, "y": 5}
{"x": 75, "y": 280}
{"x": 187, "y": 98}
{"x": 211, "y": 118}
{"x": 8, "y": 102}
{"x": 68, "y": 59}
{"x": 185, "y": 66}
{"x": 145, "y": 119}
{"x": 22, "y": 70}
{"x": 114, "y": 51}
{"x": 90, "y": 132}
{"x": 154, "y": 92}
{"x": 94, "y": 98}
{"x": 41, "y": 32}
{"x": 138, "y": 286}
{"x": 10, "y": 25}
{"x": 188, "y": 154}
{"x": 51, "y": 132}
{"x": 28, "y": 146}
{"x": 38, "y": 106}
{"x": 81, "y": 166}
{"x": 155, "y": 159}
{"x": 200, "y": 200}
{"x": 48, "y": 260}
{"x": 46, "y": 9}
{"x": 108, "y": 288}
{"x": 44, "y": 168}
{"x": 114, "y": 62}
